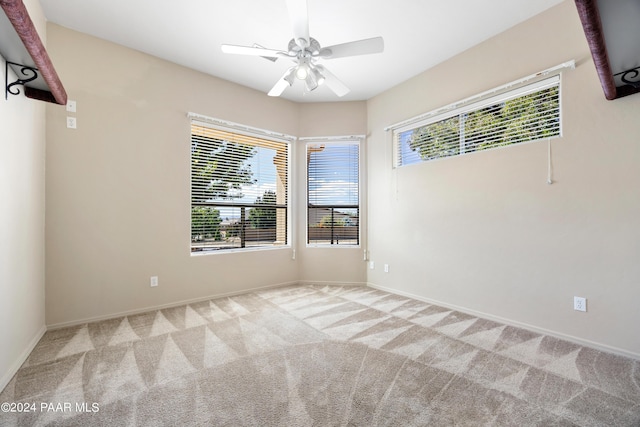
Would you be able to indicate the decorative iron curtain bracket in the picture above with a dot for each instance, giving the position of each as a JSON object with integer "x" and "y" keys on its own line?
{"x": 633, "y": 73}
{"x": 29, "y": 73}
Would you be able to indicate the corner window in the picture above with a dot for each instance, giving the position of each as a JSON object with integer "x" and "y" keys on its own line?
{"x": 529, "y": 113}
{"x": 333, "y": 203}
{"x": 239, "y": 189}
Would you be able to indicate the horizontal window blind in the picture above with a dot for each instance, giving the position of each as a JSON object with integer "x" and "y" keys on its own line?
{"x": 239, "y": 190}
{"x": 529, "y": 113}
{"x": 333, "y": 214}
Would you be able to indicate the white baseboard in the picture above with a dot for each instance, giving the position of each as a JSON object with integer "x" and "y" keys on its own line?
{"x": 22, "y": 358}
{"x": 510, "y": 322}
{"x": 328, "y": 283}
{"x": 163, "y": 306}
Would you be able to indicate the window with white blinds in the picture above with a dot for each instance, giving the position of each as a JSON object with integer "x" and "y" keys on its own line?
{"x": 239, "y": 190}
{"x": 529, "y": 113}
{"x": 333, "y": 208}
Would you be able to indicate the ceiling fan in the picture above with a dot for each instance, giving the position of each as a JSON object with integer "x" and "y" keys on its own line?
{"x": 305, "y": 52}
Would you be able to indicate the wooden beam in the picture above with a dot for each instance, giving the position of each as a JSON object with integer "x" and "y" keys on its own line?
{"x": 21, "y": 21}
{"x": 592, "y": 25}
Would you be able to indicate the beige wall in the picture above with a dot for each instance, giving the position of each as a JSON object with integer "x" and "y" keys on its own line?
{"x": 22, "y": 196}
{"x": 485, "y": 232}
{"x": 118, "y": 186}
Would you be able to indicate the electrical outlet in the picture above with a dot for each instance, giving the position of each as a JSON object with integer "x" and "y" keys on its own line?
{"x": 371, "y": 265}
{"x": 153, "y": 282}
{"x": 579, "y": 304}
{"x": 386, "y": 268}
{"x": 71, "y": 106}
{"x": 71, "y": 122}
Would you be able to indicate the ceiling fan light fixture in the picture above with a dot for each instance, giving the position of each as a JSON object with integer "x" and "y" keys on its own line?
{"x": 302, "y": 72}
{"x": 310, "y": 82}
{"x": 317, "y": 75}
{"x": 290, "y": 76}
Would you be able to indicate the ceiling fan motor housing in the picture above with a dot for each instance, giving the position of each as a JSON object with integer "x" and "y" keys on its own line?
{"x": 313, "y": 48}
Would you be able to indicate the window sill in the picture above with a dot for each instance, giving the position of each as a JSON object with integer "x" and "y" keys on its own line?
{"x": 239, "y": 250}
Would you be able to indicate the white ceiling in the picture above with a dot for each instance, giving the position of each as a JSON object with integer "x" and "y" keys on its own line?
{"x": 418, "y": 34}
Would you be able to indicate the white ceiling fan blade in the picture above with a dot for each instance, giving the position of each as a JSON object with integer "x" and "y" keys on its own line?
{"x": 254, "y": 51}
{"x": 299, "y": 17}
{"x": 332, "y": 82}
{"x": 278, "y": 88}
{"x": 359, "y": 47}
{"x": 284, "y": 82}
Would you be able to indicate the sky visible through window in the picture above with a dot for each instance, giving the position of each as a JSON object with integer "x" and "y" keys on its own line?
{"x": 337, "y": 181}
{"x": 408, "y": 155}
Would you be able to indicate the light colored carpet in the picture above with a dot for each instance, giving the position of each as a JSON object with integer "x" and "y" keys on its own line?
{"x": 319, "y": 356}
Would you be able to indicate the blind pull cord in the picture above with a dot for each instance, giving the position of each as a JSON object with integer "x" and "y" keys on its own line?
{"x": 549, "y": 169}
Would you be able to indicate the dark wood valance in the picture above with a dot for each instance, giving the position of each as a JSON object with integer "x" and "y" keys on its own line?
{"x": 615, "y": 83}
{"x": 22, "y": 48}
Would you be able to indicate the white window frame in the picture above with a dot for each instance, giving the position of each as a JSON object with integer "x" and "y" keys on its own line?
{"x": 359, "y": 141}
{"x": 521, "y": 87}
{"x": 226, "y": 126}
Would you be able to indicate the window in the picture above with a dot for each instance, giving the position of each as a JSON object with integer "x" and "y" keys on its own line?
{"x": 529, "y": 113}
{"x": 333, "y": 210}
{"x": 239, "y": 189}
